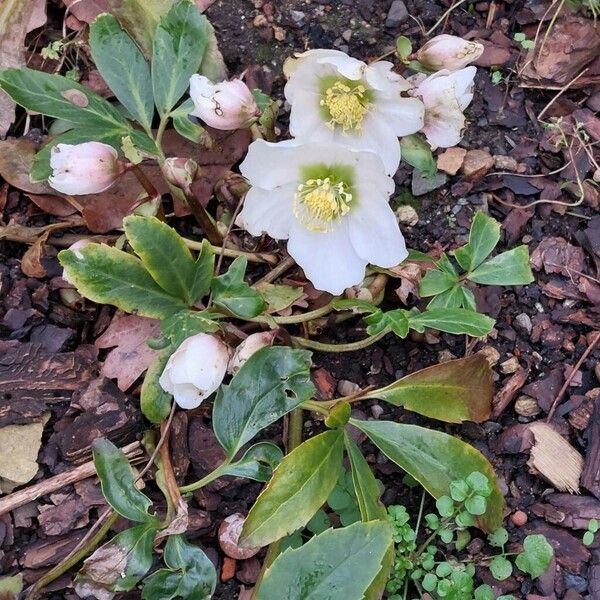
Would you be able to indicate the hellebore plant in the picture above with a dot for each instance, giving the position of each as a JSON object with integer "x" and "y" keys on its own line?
{"x": 326, "y": 192}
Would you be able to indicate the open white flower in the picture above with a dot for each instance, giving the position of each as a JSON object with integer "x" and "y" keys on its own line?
{"x": 195, "y": 370}
{"x": 226, "y": 105}
{"x": 88, "y": 168}
{"x": 448, "y": 52}
{"x": 445, "y": 95}
{"x": 336, "y": 98}
{"x": 329, "y": 202}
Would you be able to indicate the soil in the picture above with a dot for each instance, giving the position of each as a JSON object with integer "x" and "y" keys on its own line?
{"x": 547, "y": 326}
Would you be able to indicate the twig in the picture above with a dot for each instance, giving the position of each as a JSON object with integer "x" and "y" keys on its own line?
{"x": 282, "y": 267}
{"x": 446, "y": 13}
{"x": 560, "y": 93}
{"x": 574, "y": 370}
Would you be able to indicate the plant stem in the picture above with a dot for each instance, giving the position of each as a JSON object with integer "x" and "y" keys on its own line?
{"x": 257, "y": 257}
{"x": 316, "y": 407}
{"x": 350, "y": 347}
{"x": 71, "y": 562}
{"x": 145, "y": 182}
{"x": 218, "y": 472}
{"x": 293, "y": 319}
{"x": 204, "y": 219}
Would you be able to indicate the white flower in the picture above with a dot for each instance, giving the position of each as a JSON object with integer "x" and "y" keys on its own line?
{"x": 445, "y": 95}
{"x": 330, "y": 202}
{"x": 448, "y": 52}
{"x": 195, "y": 370}
{"x": 87, "y": 168}
{"x": 336, "y": 98}
{"x": 227, "y": 105}
{"x": 248, "y": 347}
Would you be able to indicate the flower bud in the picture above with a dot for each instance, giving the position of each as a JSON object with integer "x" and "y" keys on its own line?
{"x": 448, "y": 52}
{"x": 248, "y": 347}
{"x": 180, "y": 172}
{"x": 195, "y": 370}
{"x": 227, "y": 105}
{"x": 87, "y": 168}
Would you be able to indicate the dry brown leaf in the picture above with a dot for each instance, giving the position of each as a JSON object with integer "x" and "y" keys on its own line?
{"x": 555, "y": 459}
{"x": 31, "y": 262}
{"x": 17, "y": 19}
{"x": 87, "y": 10}
{"x": 131, "y": 356}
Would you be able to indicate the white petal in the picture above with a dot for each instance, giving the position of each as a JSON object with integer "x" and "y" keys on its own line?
{"x": 403, "y": 116}
{"x": 444, "y": 123}
{"x": 384, "y": 142}
{"x": 380, "y": 76}
{"x": 374, "y": 231}
{"x": 269, "y": 165}
{"x": 304, "y": 79}
{"x": 350, "y": 68}
{"x": 370, "y": 169}
{"x": 306, "y": 119}
{"x": 188, "y": 395}
{"x": 328, "y": 259}
{"x": 206, "y": 362}
{"x": 463, "y": 85}
{"x": 268, "y": 211}
{"x": 165, "y": 381}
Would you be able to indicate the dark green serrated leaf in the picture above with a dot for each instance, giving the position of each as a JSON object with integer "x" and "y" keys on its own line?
{"x": 509, "y": 268}
{"x": 154, "y": 401}
{"x": 232, "y": 293}
{"x": 110, "y": 276}
{"x": 123, "y": 67}
{"x": 202, "y": 273}
{"x": 257, "y": 463}
{"x": 434, "y": 459}
{"x": 355, "y": 305}
{"x": 118, "y": 482}
{"x": 452, "y": 320}
{"x": 271, "y": 383}
{"x": 338, "y": 563}
{"x": 299, "y": 486}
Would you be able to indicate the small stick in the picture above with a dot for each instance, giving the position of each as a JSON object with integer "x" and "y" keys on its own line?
{"x": 52, "y": 484}
{"x": 282, "y": 267}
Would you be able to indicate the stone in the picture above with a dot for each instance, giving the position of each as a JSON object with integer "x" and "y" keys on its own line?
{"x": 490, "y": 354}
{"x": 451, "y": 160}
{"x": 422, "y": 185}
{"x": 298, "y": 18}
{"x": 407, "y": 215}
{"x": 476, "y": 164}
{"x": 510, "y": 366}
{"x": 527, "y": 407}
{"x": 397, "y": 14}
{"x": 519, "y": 518}
{"x": 523, "y": 324}
{"x": 229, "y": 535}
{"x": 505, "y": 163}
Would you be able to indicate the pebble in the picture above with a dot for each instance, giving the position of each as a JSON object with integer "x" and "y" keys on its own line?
{"x": 505, "y": 163}
{"x": 445, "y": 356}
{"x": 228, "y": 569}
{"x": 476, "y": 164}
{"x": 519, "y": 518}
{"x": 298, "y": 18}
{"x": 347, "y": 388}
{"x": 490, "y": 354}
{"x": 347, "y": 35}
{"x": 510, "y": 366}
{"x": 376, "y": 411}
{"x": 527, "y": 407}
{"x": 397, "y": 14}
{"x": 523, "y": 324}
{"x": 407, "y": 215}
{"x": 451, "y": 160}
{"x": 422, "y": 185}
{"x": 260, "y": 21}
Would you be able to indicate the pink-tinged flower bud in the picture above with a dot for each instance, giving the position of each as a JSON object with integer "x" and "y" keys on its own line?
{"x": 181, "y": 172}
{"x": 227, "y": 105}
{"x": 87, "y": 168}
{"x": 448, "y": 52}
{"x": 195, "y": 370}
{"x": 248, "y": 347}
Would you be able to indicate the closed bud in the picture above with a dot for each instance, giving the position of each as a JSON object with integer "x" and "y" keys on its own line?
{"x": 227, "y": 105}
{"x": 448, "y": 52}
{"x": 248, "y": 347}
{"x": 87, "y": 168}
{"x": 180, "y": 172}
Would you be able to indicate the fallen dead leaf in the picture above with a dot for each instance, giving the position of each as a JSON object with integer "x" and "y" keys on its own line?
{"x": 31, "y": 263}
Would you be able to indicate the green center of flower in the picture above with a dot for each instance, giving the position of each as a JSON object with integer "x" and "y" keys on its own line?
{"x": 320, "y": 202}
{"x": 346, "y": 104}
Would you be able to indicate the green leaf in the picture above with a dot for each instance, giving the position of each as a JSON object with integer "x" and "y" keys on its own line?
{"x": 118, "y": 482}
{"x": 184, "y": 125}
{"x": 154, "y": 401}
{"x": 257, "y": 463}
{"x": 484, "y": 592}
{"x": 435, "y": 459}
{"x": 123, "y": 67}
{"x": 452, "y": 320}
{"x": 106, "y": 275}
{"x": 163, "y": 254}
{"x": 476, "y": 505}
{"x": 339, "y": 415}
{"x": 588, "y": 538}
{"x": 459, "y": 490}
{"x": 403, "y": 47}
{"x": 299, "y": 486}
{"x": 483, "y": 238}
{"x": 212, "y": 65}
{"x": 232, "y": 293}
{"x": 339, "y": 563}
{"x": 271, "y": 383}
{"x": 452, "y": 298}
{"x": 11, "y": 587}
{"x": 479, "y": 483}
{"x": 501, "y": 568}
{"x": 278, "y": 297}
{"x": 498, "y": 538}
{"x": 454, "y": 391}
{"x": 417, "y": 153}
{"x": 179, "y": 44}
{"x": 396, "y": 320}
{"x": 445, "y": 506}
{"x": 593, "y": 526}
{"x": 536, "y": 556}
{"x": 435, "y": 282}
{"x": 355, "y": 305}
{"x": 186, "y": 323}
{"x": 509, "y": 268}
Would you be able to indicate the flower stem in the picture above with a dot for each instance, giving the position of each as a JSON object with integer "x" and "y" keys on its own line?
{"x": 349, "y": 347}
{"x": 203, "y": 218}
{"x": 218, "y": 472}
{"x": 257, "y": 257}
{"x": 316, "y": 407}
{"x": 294, "y": 319}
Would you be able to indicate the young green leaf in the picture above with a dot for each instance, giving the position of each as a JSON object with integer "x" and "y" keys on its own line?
{"x": 396, "y": 320}
{"x": 186, "y": 323}
{"x": 403, "y": 47}
{"x": 498, "y": 538}
{"x": 118, "y": 482}
{"x": 452, "y": 298}
{"x": 154, "y": 401}
{"x": 452, "y": 320}
{"x": 110, "y": 276}
{"x": 417, "y": 153}
{"x": 232, "y": 293}
{"x": 454, "y": 391}
{"x": 435, "y": 459}
{"x": 435, "y": 282}
{"x": 179, "y": 45}
{"x": 509, "y": 268}
{"x": 257, "y": 463}
{"x": 483, "y": 238}
{"x": 272, "y": 382}
{"x": 501, "y": 568}
{"x": 339, "y": 563}
{"x": 536, "y": 556}
{"x": 184, "y": 125}
{"x": 123, "y": 67}
{"x": 299, "y": 486}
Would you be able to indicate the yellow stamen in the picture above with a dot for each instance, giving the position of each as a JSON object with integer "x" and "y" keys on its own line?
{"x": 319, "y": 202}
{"x": 346, "y": 105}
